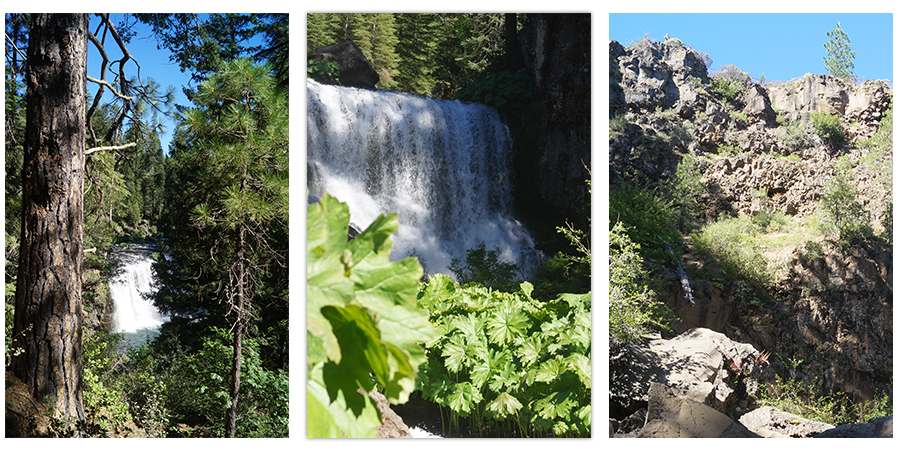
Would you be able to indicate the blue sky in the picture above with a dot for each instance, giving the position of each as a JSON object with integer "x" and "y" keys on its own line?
{"x": 154, "y": 64}
{"x": 782, "y": 46}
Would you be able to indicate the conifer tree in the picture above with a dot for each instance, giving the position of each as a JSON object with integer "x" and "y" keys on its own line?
{"x": 321, "y": 30}
{"x": 239, "y": 144}
{"x": 839, "y": 60}
{"x": 418, "y": 36}
{"x": 375, "y": 35}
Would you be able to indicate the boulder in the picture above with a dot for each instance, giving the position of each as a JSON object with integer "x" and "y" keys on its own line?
{"x": 671, "y": 416}
{"x": 770, "y": 422}
{"x": 355, "y": 69}
{"x": 881, "y": 427}
{"x": 697, "y": 365}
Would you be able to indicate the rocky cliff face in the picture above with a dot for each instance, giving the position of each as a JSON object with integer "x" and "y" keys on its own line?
{"x": 553, "y": 147}
{"x": 830, "y": 311}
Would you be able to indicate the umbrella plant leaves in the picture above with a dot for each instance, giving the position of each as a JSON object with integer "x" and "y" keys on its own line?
{"x": 505, "y": 404}
{"x": 363, "y": 321}
{"x": 506, "y": 359}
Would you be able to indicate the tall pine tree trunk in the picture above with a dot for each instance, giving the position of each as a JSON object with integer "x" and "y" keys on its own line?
{"x": 48, "y": 292}
{"x": 231, "y": 411}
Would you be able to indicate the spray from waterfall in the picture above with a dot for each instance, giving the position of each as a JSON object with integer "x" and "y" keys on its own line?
{"x": 442, "y": 166}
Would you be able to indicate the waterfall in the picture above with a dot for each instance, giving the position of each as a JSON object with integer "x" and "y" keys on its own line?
{"x": 131, "y": 288}
{"x": 442, "y": 166}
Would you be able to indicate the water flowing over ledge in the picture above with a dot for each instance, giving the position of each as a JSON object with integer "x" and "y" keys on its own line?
{"x": 131, "y": 289}
{"x": 442, "y": 166}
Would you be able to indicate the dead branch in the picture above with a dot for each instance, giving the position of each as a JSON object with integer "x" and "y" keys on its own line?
{"x": 109, "y": 148}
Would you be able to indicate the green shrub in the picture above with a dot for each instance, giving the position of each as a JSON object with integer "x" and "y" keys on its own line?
{"x": 666, "y": 114}
{"x": 731, "y": 72}
{"x": 732, "y": 240}
{"x": 617, "y": 125}
{"x": 509, "y": 364}
{"x": 793, "y": 136}
{"x": 836, "y": 408}
{"x": 323, "y": 71}
{"x": 738, "y": 117}
{"x": 844, "y": 214}
{"x": 686, "y": 188}
{"x": 729, "y": 82}
{"x": 728, "y": 150}
{"x": 727, "y": 89}
{"x": 484, "y": 267}
{"x": 560, "y": 274}
{"x": 196, "y": 388}
{"x": 633, "y": 307}
{"x": 105, "y": 404}
{"x": 682, "y": 133}
{"x": 828, "y": 126}
{"x": 648, "y": 219}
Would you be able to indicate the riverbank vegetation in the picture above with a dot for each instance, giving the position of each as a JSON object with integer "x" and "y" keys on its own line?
{"x": 494, "y": 363}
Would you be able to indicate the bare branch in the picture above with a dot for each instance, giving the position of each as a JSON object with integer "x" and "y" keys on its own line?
{"x": 105, "y": 83}
{"x": 109, "y": 148}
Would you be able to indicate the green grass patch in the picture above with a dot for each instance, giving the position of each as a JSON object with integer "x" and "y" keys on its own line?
{"x": 834, "y": 408}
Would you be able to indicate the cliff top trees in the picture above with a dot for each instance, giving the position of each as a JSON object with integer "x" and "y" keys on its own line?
{"x": 839, "y": 60}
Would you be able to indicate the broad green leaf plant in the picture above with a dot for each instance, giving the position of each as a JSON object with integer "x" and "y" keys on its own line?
{"x": 511, "y": 365}
{"x": 364, "y": 326}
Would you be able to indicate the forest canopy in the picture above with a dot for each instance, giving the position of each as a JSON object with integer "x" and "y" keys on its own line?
{"x": 431, "y": 54}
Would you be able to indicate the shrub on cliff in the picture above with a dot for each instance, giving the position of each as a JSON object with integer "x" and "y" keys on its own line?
{"x": 828, "y": 126}
{"x": 727, "y": 89}
{"x": 647, "y": 217}
{"x": 843, "y": 212}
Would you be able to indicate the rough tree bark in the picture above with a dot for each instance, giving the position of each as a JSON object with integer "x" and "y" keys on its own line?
{"x": 48, "y": 292}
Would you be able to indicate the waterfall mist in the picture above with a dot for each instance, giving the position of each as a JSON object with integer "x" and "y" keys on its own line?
{"x": 442, "y": 166}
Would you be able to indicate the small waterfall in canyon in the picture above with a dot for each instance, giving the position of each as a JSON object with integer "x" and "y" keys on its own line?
{"x": 131, "y": 287}
{"x": 442, "y": 166}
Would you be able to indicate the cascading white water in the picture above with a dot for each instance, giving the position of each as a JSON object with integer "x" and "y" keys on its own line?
{"x": 131, "y": 287}
{"x": 442, "y": 166}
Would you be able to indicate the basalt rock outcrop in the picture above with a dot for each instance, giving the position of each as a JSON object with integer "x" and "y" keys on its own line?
{"x": 355, "y": 69}
{"x": 700, "y": 365}
{"x": 701, "y": 384}
{"x": 881, "y": 427}
{"x": 770, "y": 422}
{"x": 553, "y": 148}
{"x": 663, "y": 94}
{"x": 828, "y": 313}
{"x": 860, "y": 104}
